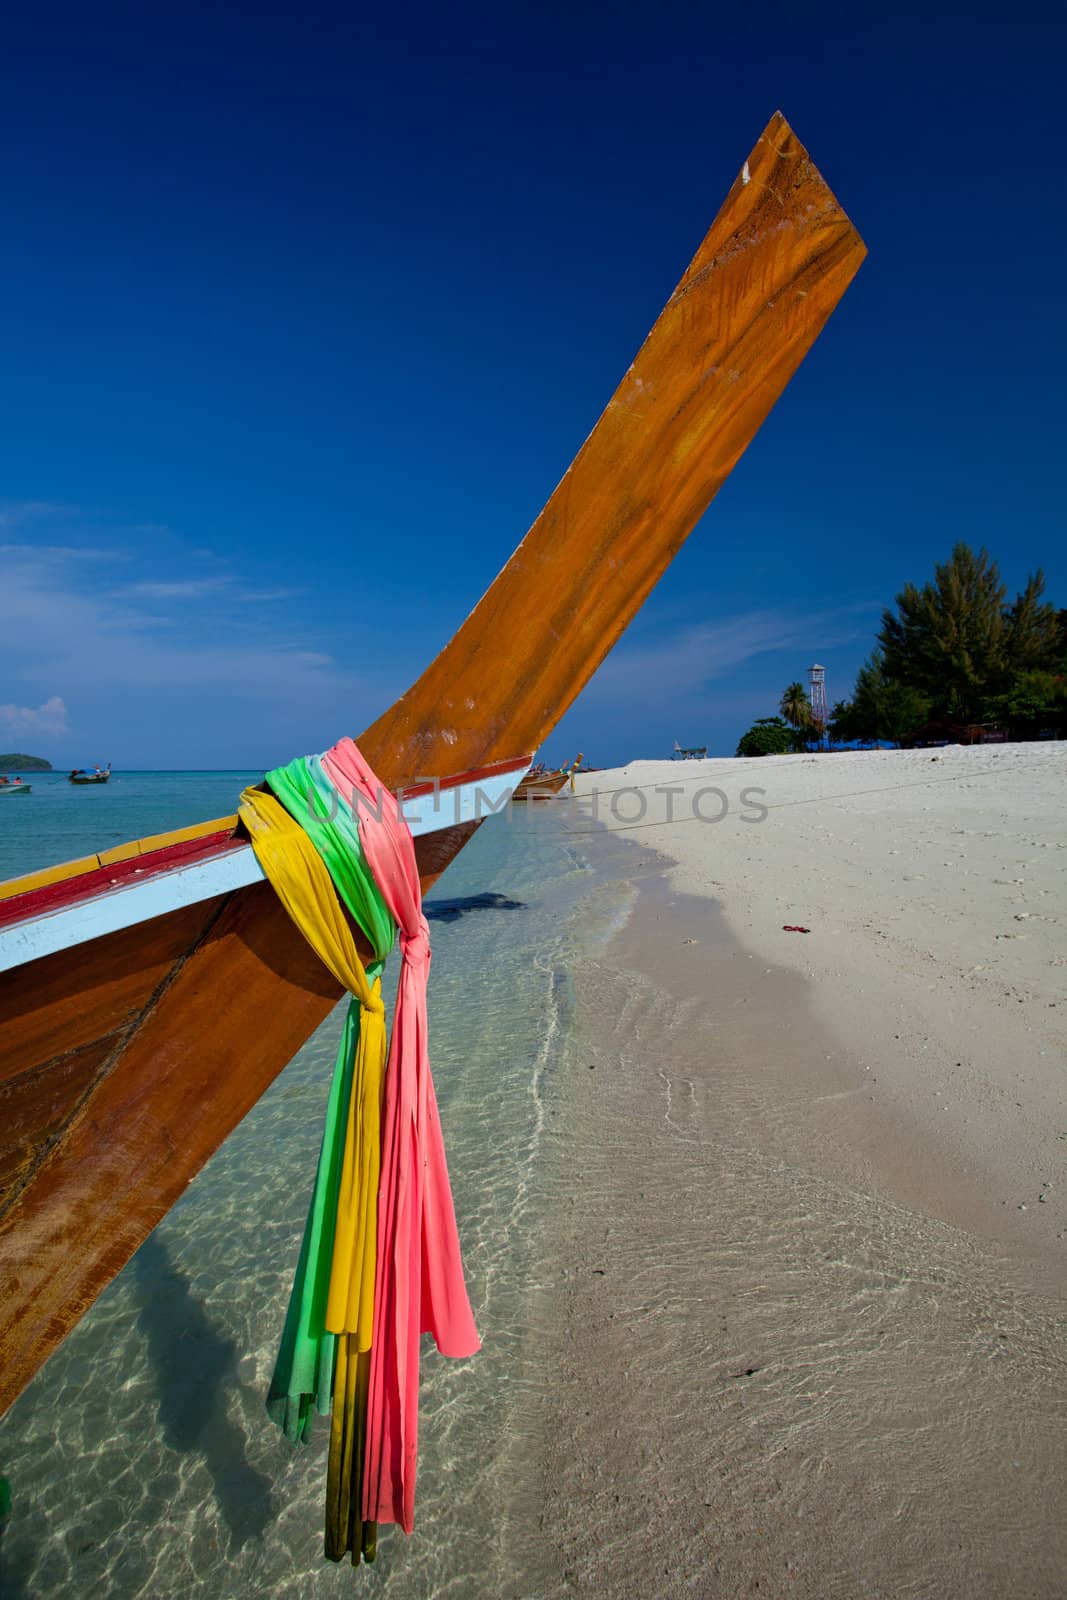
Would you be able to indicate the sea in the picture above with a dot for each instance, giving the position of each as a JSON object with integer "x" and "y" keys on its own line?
{"x": 141, "y": 1460}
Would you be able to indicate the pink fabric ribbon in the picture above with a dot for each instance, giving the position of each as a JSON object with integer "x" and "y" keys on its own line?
{"x": 419, "y": 1286}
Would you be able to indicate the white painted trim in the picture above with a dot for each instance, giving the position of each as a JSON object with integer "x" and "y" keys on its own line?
{"x": 130, "y": 902}
{"x": 126, "y": 905}
{"x": 426, "y": 813}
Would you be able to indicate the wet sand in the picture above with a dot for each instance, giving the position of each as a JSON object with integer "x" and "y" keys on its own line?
{"x": 801, "y": 1340}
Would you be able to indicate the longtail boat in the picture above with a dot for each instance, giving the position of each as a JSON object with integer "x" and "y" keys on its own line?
{"x": 98, "y": 775}
{"x": 132, "y": 981}
{"x": 541, "y": 783}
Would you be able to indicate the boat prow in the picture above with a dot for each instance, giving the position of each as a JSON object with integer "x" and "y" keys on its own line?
{"x": 127, "y": 1056}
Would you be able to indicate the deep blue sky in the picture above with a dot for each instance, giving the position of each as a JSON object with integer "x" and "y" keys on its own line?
{"x": 288, "y": 287}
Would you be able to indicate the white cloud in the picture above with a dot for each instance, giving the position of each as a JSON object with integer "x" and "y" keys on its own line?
{"x": 60, "y": 552}
{"x": 16, "y": 513}
{"x": 179, "y": 589}
{"x": 264, "y": 596}
{"x": 61, "y": 626}
{"x": 225, "y": 588}
{"x": 690, "y": 657}
{"x": 49, "y": 718}
{"x": 171, "y": 659}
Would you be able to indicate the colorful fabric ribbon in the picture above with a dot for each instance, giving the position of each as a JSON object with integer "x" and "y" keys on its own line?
{"x": 329, "y": 1320}
{"x": 420, "y": 1288}
{"x": 379, "y": 1262}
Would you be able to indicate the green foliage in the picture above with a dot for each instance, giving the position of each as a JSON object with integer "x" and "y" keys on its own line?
{"x": 15, "y": 762}
{"x": 954, "y": 652}
{"x": 1033, "y": 630}
{"x": 795, "y": 706}
{"x": 770, "y": 736}
{"x": 1035, "y": 701}
{"x": 959, "y": 643}
{"x": 840, "y": 722}
{"x": 881, "y": 707}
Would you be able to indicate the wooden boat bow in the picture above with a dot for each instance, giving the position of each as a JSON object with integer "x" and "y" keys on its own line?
{"x": 126, "y": 1062}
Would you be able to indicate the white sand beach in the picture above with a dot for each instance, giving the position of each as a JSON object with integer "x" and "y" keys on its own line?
{"x": 807, "y": 1337}
{"x": 934, "y": 885}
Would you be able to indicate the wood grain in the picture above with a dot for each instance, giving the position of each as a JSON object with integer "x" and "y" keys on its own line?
{"x": 233, "y": 1006}
{"x": 64, "y": 1001}
{"x": 775, "y": 262}
{"x": 117, "y": 1094}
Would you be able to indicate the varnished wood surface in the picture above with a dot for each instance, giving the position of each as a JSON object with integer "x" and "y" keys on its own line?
{"x": 123, "y": 1066}
{"x": 206, "y": 1032}
{"x": 775, "y": 262}
{"x": 540, "y": 788}
{"x": 69, "y": 999}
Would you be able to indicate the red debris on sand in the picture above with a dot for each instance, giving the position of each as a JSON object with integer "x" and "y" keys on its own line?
{"x": 794, "y": 927}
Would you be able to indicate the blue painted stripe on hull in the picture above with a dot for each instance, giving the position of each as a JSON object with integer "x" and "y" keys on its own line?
{"x": 132, "y": 903}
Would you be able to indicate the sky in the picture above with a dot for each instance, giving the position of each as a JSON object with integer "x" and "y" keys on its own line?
{"x": 307, "y": 310}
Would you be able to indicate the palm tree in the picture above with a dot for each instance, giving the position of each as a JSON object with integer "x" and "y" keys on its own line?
{"x": 796, "y": 707}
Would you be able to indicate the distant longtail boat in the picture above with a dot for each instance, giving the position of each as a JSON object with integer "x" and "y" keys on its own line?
{"x": 149, "y": 994}
{"x": 541, "y": 783}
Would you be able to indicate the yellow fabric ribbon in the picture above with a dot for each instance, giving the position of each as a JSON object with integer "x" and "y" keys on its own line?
{"x": 302, "y": 883}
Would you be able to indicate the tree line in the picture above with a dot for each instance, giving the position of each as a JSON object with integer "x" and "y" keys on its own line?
{"x": 952, "y": 659}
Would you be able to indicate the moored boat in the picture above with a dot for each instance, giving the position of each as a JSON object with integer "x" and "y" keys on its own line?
{"x": 131, "y": 982}
{"x": 541, "y": 783}
{"x": 96, "y": 775}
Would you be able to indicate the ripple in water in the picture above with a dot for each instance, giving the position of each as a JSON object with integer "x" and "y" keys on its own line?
{"x": 141, "y": 1459}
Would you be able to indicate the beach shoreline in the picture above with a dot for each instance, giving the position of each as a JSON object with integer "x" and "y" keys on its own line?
{"x": 746, "y": 1329}
{"x": 934, "y": 888}
{"x": 806, "y": 1341}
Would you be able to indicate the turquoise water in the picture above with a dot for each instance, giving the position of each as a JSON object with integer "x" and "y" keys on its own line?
{"x": 59, "y": 820}
{"x": 141, "y": 1459}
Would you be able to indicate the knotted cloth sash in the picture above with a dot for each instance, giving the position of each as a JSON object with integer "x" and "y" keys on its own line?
{"x": 323, "y": 1362}
{"x": 420, "y": 1286}
{"x": 380, "y": 1260}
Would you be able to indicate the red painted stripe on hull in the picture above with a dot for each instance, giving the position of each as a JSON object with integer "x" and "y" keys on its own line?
{"x": 54, "y": 896}
{"x": 68, "y": 891}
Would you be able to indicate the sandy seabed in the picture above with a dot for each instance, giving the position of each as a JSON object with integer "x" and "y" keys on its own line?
{"x": 742, "y": 1214}
{"x": 804, "y": 1311}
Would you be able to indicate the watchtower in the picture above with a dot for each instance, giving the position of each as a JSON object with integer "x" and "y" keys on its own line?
{"x": 817, "y": 695}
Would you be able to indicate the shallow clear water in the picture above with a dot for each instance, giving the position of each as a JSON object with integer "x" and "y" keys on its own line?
{"x": 716, "y": 1360}
{"x": 141, "y": 1460}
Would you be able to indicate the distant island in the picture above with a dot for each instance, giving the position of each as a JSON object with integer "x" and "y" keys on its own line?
{"x": 21, "y": 763}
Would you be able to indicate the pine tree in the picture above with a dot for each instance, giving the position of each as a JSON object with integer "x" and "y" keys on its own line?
{"x": 881, "y": 706}
{"x": 950, "y": 639}
{"x": 1033, "y": 630}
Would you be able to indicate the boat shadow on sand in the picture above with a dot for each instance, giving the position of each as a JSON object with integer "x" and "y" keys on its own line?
{"x": 452, "y": 910}
{"x": 196, "y": 1371}
{"x": 196, "y": 1385}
